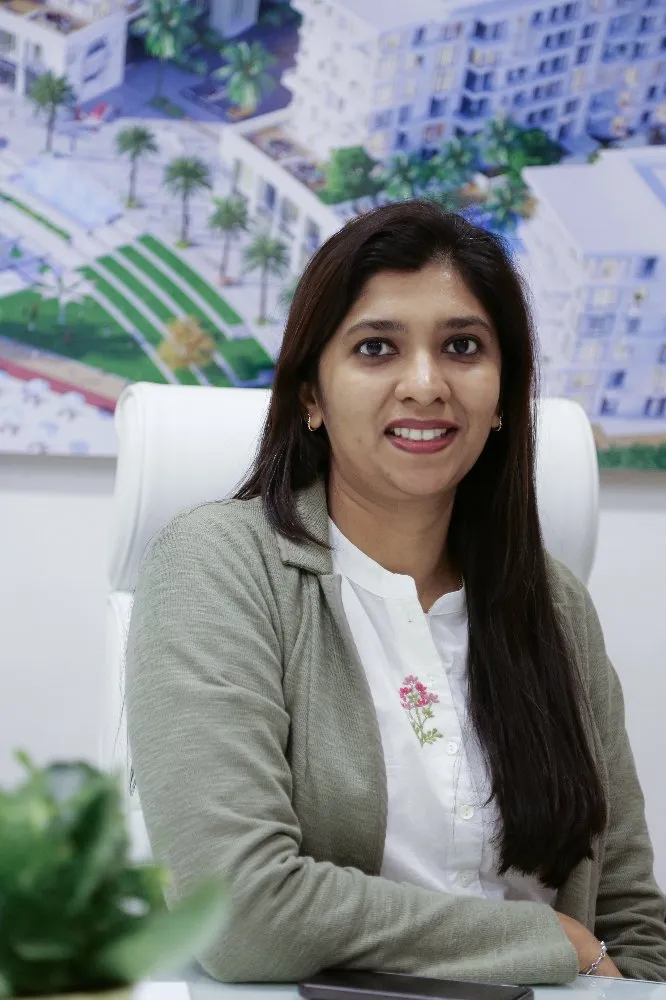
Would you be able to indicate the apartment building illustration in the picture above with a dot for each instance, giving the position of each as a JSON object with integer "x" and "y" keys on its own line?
{"x": 83, "y": 40}
{"x": 396, "y": 76}
{"x": 228, "y": 17}
{"x": 597, "y": 260}
{"x": 406, "y": 74}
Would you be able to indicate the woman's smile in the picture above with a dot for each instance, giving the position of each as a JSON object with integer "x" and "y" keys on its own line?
{"x": 421, "y": 437}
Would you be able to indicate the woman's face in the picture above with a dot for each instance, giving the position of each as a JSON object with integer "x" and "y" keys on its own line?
{"x": 409, "y": 385}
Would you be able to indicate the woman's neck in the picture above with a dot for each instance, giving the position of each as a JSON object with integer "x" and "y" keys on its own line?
{"x": 406, "y": 537}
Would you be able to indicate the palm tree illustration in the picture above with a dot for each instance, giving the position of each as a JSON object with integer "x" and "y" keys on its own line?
{"x": 270, "y": 257}
{"x": 49, "y": 93}
{"x": 499, "y": 137}
{"x": 508, "y": 203}
{"x": 408, "y": 175}
{"x": 246, "y": 74}
{"x": 64, "y": 287}
{"x": 136, "y": 142}
{"x": 167, "y": 28}
{"x": 456, "y": 163}
{"x": 184, "y": 177}
{"x": 229, "y": 217}
{"x": 286, "y": 296}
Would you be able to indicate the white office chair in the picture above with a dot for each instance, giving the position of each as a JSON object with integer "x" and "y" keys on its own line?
{"x": 179, "y": 446}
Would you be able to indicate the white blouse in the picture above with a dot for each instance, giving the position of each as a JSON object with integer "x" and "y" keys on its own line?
{"x": 439, "y": 831}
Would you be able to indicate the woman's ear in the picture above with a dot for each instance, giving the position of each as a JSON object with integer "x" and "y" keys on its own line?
{"x": 310, "y": 405}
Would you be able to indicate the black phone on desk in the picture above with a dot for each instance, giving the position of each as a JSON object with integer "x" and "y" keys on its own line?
{"x": 348, "y": 984}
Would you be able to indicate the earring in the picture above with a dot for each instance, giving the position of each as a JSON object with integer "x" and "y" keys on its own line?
{"x": 499, "y": 426}
{"x": 309, "y": 422}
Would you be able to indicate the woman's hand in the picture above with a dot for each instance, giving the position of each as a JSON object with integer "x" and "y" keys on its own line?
{"x": 587, "y": 948}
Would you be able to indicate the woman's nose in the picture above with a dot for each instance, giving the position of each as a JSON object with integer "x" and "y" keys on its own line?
{"x": 423, "y": 379}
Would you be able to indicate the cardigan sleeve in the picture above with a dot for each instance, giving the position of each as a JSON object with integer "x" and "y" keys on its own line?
{"x": 209, "y": 734}
{"x": 630, "y": 908}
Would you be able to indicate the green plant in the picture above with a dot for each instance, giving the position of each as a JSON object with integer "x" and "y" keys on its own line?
{"x": 269, "y": 256}
{"x": 351, "y": 173}
{"x": 135, "y": 141}
{"x": 246, "y": 73}
{"x": 509, "y": 147}
{"x": 49, "y": 93}
{"x": 167, "y": 28}
{"x": 229, "y": 217}
{"x": 76, "y": 914}
{"x": 456, "y": 163}
{"x": 508, "y": 203}
{"x": 407, "y": 176}
{"x": 183, "y": 177}
{"x": 499, "y": 136}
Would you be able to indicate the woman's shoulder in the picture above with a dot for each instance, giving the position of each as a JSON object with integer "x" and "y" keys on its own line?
{"x": 220, "y": 515}
{"x": 216, "y": 533}
{"x": 569, "y": 592}
{"x": 581, "y": 622}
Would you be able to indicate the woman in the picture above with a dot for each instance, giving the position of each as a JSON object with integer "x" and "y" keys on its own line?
{"x": 360, "y": 690}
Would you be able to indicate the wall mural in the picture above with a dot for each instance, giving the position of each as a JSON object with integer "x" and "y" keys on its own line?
{"x": 167, "y": 167}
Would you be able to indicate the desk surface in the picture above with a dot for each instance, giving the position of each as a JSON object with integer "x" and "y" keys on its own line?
{"x": 202, "y": 988}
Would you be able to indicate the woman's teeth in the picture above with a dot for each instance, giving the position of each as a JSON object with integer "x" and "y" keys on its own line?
{"x": 414, "y": 435}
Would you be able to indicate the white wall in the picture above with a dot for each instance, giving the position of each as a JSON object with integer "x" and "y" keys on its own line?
{"x": 54, "y": 514}
{"x": 628, "y": 585}
{"x": 53, "y": 530}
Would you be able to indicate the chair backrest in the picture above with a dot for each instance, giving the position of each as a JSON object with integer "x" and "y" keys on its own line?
{"x": 179, "y": 446}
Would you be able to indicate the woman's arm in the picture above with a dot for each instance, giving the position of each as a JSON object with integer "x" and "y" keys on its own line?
{"x": 631, "y": 911}
{"x": 208, "y": 730}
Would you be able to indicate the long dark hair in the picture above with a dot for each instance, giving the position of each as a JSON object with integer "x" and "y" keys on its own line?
{"x": 527, "y": 702}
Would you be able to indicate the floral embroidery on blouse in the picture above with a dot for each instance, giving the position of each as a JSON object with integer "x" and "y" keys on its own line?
{"x": 417, "y": 701}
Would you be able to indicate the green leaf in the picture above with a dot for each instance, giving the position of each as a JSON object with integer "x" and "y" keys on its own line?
{"x": 75, "y": 913}
{"x": 101, "y": 842}
{"x": 23, "y": 758}
{"x": 166, "y": 941}
{"x": 44, "y": 951}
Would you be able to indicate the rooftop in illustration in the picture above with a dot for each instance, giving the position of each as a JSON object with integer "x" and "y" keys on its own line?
{"x": 55, "y": 16}
{"x": 21, "y": 7}
{"x": 390, "y": 14}
{"x": 62, "y": 16}
{"x": 614, "y": 206}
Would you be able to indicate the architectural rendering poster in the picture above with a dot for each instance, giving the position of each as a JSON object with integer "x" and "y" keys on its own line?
{"x": 167, "y": 167}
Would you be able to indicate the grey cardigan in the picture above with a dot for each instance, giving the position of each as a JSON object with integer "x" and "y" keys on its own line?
{"x": 257, "y": 756}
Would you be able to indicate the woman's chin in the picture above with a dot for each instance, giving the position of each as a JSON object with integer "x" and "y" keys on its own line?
{"x": 423, "y": 485}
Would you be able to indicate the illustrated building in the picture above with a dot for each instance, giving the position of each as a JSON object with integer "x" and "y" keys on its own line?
{"x": 271, "y": 173}
{"x": 228, "y": 17}
{"x": 395, "y": 75}
{"x": 83, "y": 40}
{"x": 597, "y": 258}
{"x": 232, "y": 17}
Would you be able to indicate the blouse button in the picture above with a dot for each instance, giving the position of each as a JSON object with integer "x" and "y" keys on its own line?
{"x": 465, "y": 878}
{"x": 452, "y": 748}
{"x": 466, "y": 812}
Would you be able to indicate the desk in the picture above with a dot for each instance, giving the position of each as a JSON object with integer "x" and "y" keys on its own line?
{"x": 200, "y": 987}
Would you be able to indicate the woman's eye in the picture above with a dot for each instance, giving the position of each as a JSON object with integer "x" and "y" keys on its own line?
{"x": 373, "y": 348}
{"x": 463, "y": 346}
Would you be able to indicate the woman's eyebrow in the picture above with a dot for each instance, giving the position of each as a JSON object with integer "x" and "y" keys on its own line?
{"x": 377, "y": 326}
{"x": 396, "y": 326}
{"x": 463, "y": 323}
